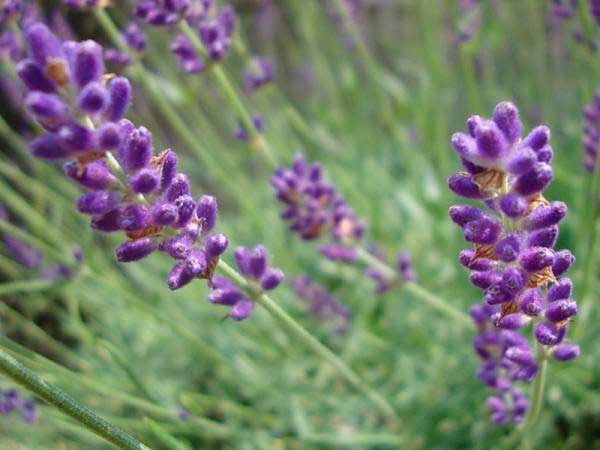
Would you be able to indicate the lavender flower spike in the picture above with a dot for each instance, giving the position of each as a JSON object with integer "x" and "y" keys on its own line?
{"x": 513, "y": 259}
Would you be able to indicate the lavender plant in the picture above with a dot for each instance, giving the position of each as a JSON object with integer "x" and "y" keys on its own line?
{"x": 513, "y": 259}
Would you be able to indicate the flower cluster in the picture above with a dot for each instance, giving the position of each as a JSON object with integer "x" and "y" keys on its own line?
{"x": 261, "y": 73}
{"x": 260, "y": 276}
{"x": 591, "y": 133}
{"x": 147, "y": 199}
{"x": 322, "y": 305}
{"x": 383, "y": 282}
{"x": 314, "y": 207}
{"x": 215, "y": 29}
{"x": 513, "y": 260}
{"x": 11, "y": 401}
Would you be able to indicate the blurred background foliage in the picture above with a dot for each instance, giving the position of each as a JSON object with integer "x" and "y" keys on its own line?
{"x": 119, "y": 341}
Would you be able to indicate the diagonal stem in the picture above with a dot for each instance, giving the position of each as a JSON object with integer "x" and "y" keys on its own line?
{"x": 294, "y": 328}
{"x": 67, "y": 404}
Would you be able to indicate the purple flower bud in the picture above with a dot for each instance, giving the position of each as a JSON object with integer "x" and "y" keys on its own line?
{"x": 93, "y": 98}
{"x": 178, "y": 247}
{"x": 163, "y": 214}
{"x": 242, "y": 260}
{"x": 481, "y": 313}
{"x": 506, "y": 116}
{"x": 534, "y": 181}
{"x": 514, "y": 206}
{"x": 271, "y": 278}
{"x": 483, "y": 280}
{"x": 134, "y": 217}
{"x": 107, "y": 223}
{"x": 561, "y": 310}
{"x": 545, "y": 154}
{"x": 463, "y": 184}
{"x": 169, "y": 170}
{"x": 108, "y": 136}
{"x": 520, "y": 355}
{"x": 513, "y": 321}
{"x": 23, "y": 253}
{"x": 463, "y": 214}
{"x": 560, "y": 291}
{"x": 565, "y": 352}
{"x": 494, "y": 295}
{"x": 87, "y": 64}
{"x": 196, "y": 262}
{"x": 537, "y": 138}
{"x": 562, "y": 262}
{"x": 257, "y": 262}
{"x": 465, "y": 146}
{"x": 521, "y": 161}
{"x": 242, "y": 309}
{"x": 207, "y": 211}
{"x": 546, "y": 216}
{"x": 135, "y": 250}
{"x": 338, "y": 252}
{"x": 95, "y": 175}
{"x": 145, "y": 181}
{"x": 536, "y": 258}
{"x": 49, "y": 109}
{"x": 531, "y": 302}
{"x": 97, "y": 202}
{"x": 545, "y": 237}
{"x": 137, "y": 150}
{"x": 33, "y": 76}
{"x": 507, "y": 248}
{"x": 179, "y": 276}
{"x": 482, "y": 231}
{"x": 119, "y": 91}
{"x": 224, "y": 292}
{"x": 513, "y": 281}
{"x": 42, "y": 43}
{"x": 49, "y": 147}
{"x": 548, "y": 334}
{"x": 186, "y": 206}
{"x": 491, "y": 143}
{"x": 178, "y": 187}
{"x": 76, "y": 137}
{"x": 215, "y": 245}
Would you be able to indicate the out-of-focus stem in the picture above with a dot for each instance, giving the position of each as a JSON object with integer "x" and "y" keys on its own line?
{"x": 294, "y": 328}
{"x": 429, "y": 298}
{"x": 258, "y": 142}
{"x": 67, "y": 405}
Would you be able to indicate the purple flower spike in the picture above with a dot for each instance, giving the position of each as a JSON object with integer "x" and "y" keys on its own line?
{"x": 44, "y": 46}
{"x": 137, "y": 150}
{"x": 513, "y": 260}
{"x": 135, "y": 250}
{"x": 119, "y": 91}
{"x": 215, "y": 245}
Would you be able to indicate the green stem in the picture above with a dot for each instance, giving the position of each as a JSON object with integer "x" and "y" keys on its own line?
{"x": 294, "y": 328}
{"x": 430, "y": 299}
{"x": 258, "y": 142}
{"x": 27, "y": 286}
{"x": 537, "y": 399}
{"x": 67, "y": 405}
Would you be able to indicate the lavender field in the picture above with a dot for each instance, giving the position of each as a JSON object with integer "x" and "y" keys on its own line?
{"x": 299, "y": 224}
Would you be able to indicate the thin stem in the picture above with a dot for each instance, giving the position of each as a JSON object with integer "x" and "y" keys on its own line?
{"x": 313, "y": 344}
{"x": 27, "y": 286}
{"x": 258, "y": 142}
{"x": 67, "y": 405}
{"x": 429, "y": 298}
{"x": 537, "y": 399}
